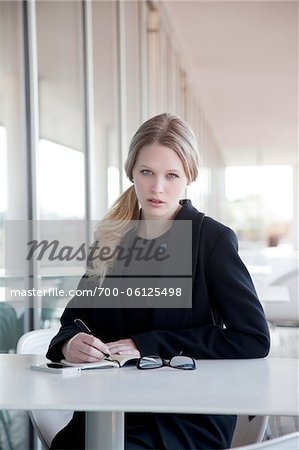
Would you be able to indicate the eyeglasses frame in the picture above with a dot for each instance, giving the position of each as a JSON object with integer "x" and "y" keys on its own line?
{"x": 165, "y": 362}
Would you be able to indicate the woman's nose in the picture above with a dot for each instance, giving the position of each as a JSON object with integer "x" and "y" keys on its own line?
{"x": 157, "y": 185}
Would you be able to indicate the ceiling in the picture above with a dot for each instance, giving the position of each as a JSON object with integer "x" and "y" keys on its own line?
{"x": 243, "y": 56}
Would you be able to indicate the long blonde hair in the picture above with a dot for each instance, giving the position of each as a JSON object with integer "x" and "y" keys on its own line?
{"x": 164, "y": 129}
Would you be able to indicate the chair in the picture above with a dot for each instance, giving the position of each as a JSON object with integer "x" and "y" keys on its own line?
{"x": 285, "y": 313}
{"x": 46, "y": 423}
{"x": 8, "y": 328}
{"x": 287, "y": 442}
{"x": 249, "y": 430}
{"x": 35, "y": 342}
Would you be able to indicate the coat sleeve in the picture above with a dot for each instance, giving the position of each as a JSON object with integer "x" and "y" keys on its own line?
{"x": 78, "y": 307}
{"x": 232, "y": 296}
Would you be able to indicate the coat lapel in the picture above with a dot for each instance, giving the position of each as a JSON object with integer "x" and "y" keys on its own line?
{"x": 182, "y": 317}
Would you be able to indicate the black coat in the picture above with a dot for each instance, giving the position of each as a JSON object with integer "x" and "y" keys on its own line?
{"x": 226, "y": 321}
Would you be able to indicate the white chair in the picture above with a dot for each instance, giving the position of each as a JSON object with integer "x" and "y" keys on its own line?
{"x": 46, "y": 423}
{"x": 285, "y": 313}
{"x": 36, "y": 342}
{"x": 287, "y": 442}
{"x": 249, "y": 430}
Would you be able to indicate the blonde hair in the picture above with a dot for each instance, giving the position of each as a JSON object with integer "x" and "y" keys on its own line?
{"x": 164, "y": 129}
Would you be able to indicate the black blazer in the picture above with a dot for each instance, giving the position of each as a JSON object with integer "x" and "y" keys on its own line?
{"x": 226, "y": 319}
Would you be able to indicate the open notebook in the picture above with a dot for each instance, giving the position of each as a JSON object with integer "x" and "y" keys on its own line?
{"x": 106, "y": 363}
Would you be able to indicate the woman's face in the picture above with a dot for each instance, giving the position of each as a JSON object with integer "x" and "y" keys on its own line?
{"x": 160, "y": 181}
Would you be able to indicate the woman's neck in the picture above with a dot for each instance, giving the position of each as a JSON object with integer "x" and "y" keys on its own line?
{"x": 153, "y": 228}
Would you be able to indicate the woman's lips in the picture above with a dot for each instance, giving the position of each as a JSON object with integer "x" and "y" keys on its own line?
{"x": 155, "y": 203}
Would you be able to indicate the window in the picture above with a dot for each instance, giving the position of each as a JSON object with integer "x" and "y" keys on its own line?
{"x": 260, "y": 203}
{"x": 60, "y": 154}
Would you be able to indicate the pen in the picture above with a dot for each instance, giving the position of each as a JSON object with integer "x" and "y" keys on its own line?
{"x": 83, "y": 327}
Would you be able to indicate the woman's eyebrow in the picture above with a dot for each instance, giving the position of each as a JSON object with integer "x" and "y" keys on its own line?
{"x": 167, "y": 170}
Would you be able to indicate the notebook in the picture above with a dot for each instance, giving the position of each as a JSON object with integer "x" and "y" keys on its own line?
{"x": 115, "y": 361}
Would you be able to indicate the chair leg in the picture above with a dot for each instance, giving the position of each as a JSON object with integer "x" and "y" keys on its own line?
{"x": 268, "y": 432}
{"x": 7, "y": 417}
{"x": 6, "y": 430}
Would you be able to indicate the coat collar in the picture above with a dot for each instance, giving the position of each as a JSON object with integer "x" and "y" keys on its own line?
{"x": 187, "y": 212}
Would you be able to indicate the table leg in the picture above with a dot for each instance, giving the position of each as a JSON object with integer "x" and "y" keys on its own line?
{"x": 105, "y": 430}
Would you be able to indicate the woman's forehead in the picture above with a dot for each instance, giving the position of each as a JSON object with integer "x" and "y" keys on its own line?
{"x": 156, "y": 155}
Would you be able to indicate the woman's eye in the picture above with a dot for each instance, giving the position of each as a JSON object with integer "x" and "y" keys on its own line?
{"x": 172, "y": 175}
{"x": 149, "y": 172}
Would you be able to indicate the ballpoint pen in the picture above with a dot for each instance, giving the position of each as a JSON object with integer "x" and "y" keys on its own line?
{"x": 83, "y": 327}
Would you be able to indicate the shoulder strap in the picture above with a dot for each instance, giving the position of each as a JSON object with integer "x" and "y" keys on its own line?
{"x": 196, "y": 232}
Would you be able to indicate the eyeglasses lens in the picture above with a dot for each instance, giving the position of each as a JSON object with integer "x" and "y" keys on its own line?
{"x": 150, "y": 362}
{"x": 182, "y": 362}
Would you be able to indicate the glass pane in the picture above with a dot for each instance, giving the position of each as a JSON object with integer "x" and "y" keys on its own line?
{"x": 60, "y": 158}
{"x": 154, "y": 63}
{"x": 133, "y": 73}
{"x": 13, "y": 177}
{"x": 3, "y": 187}
{"x": 261, "y": 210}
{"x": 107, "y": 154}
{"x": 13, "y": 198}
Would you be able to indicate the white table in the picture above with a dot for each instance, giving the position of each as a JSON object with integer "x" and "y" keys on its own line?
{"x": 249, "y": 387}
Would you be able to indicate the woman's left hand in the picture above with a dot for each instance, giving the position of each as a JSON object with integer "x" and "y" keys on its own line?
{"x": 123, "y": 346}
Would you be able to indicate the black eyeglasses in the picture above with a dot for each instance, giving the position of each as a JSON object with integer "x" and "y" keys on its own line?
{"x": 177, "y": 362}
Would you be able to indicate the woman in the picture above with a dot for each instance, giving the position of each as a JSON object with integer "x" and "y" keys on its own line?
{"x": 226, "y": 319}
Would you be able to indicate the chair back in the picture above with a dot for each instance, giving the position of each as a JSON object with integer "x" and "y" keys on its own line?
{"x": 46, "y": 423}
{"x": 249, "y": 430}
{"x": 287, "y": 442}
{"x": 36, "y": 342}
{"x": 285, "y": 312}
{"x": 280, "y": 311}
{"x": 8, "y": 328}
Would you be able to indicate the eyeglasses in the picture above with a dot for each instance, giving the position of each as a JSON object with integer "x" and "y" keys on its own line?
{"x": 177, "y": 362}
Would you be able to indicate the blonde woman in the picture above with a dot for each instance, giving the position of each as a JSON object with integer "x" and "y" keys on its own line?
{"x": 225, "y": 319}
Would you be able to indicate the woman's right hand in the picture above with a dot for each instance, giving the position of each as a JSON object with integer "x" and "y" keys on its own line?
{"x": 84, "y": 347}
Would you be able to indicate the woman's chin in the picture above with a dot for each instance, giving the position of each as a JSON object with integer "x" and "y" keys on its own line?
{"x": 153, "y": 212}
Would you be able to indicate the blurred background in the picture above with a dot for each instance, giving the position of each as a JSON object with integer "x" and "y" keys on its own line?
{"x": 77, "y": 78}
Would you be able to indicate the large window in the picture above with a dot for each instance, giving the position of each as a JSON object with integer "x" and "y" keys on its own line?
{"x": 13, "y": 158}
{"x": 3, "y": 193}
{"x": 106, "y": 170}
{"x": 60, "y": 155}
{"x": 260, "y": 203}
{"x": 13, "y": 195}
